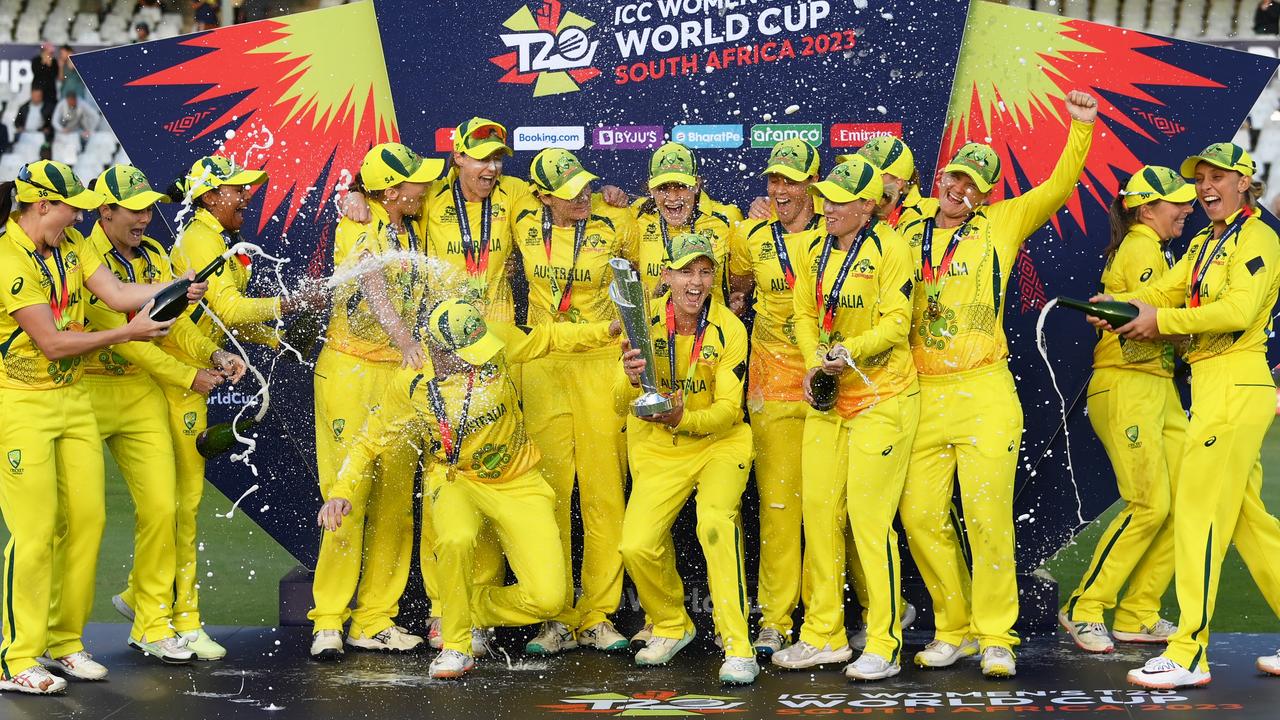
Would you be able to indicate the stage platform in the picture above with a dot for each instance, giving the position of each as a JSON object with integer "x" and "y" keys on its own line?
{"x": 267, "y": 674}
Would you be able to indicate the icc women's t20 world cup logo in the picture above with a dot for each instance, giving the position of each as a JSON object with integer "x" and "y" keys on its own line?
{"x": 552, "y": 50}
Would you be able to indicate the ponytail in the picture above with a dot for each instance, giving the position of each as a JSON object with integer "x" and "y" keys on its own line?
{"x": 8, "y": 189}
{"x": 1122, "y": 219}
{"x": 1253, "y": 194}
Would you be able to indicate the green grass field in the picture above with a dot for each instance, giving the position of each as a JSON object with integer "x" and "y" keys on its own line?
{"x": 241, "y": 565}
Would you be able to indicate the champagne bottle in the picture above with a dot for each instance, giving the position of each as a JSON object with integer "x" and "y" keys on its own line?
{"x": 824, "y": 388}
{"x": 171, "y": 301}
{"x": 303, "y": 333}
{"x": 1115, "y": 313}
{"x": 218, "y": 438}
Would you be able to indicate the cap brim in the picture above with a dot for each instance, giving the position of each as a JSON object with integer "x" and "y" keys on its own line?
{"x": 661, "y": 179}
{"x": 246, "y": 177}
{"x": 677, "y": 264}
{"x": 485, "y": 149}
{"x": 143, "y": 200}
{"x": 482, "y": 350}
{"x": 1186, "y": 193}
{"x": 900, "y": 169}
{"x": 978, "y": 180}
{"x": 573, "y": 186}
{"x": 430, "y": 169}
{"x": 832, "y": 192}
{"x": 85, "y": 200}
{"x": 787, "y": 172}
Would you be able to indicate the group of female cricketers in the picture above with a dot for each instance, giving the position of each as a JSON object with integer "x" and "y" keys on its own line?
{"x": 898, "y": 299}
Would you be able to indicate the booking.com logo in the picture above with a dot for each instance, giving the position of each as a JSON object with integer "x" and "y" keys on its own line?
{"x": 552, "y": 50}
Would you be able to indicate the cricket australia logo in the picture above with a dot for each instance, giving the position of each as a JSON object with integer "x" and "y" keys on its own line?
{"x": 15, "y": 461}
{"x": 338, "y": 426}
{"x": 552, "y": 50}
{"x": 1131, "y": 432}
{"x": 189, "y": 421}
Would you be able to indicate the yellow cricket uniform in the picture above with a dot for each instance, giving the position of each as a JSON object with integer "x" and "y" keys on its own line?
{"x": 203, "y": 240}
{"x": 133, "y": 420}
{"x": 568, "y": 397}
{"x": 357, "y": 364}
{"x": 1135, "y": 409}
{"x": 974, "y": 423}
{"x": 775, "y": 399}
{"x": 492, "y": 472}
{"x": 51, "y": 484}
{"x": 647, "y": 247}
{"x": 1228, "y": 286}
{"x": 709, "y": 450}
{"x": 855, "y": 456}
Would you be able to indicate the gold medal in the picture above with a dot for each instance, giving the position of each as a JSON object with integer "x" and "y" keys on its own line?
{"x": 934, "y": 309}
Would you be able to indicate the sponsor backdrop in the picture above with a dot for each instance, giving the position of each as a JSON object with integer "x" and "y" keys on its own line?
{"x": 304, "y": 96}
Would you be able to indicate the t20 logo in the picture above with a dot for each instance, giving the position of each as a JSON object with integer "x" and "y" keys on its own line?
{"x": 552, "y": 50}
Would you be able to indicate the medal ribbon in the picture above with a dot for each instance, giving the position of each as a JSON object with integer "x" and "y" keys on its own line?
{"x": 1202, "y": 263}
{"x": 699, "y": 335}
{"x": 828, "y": 303}
{"x": 128, "y": 268}
{"x": 449, "y": 440}
{"x": 932, "y": 275}
{"x": 477, "y": 258}
{"x": 562, "y": 299}
{"x": 58, "y": 301}
{"x": 784, "y": 260}
{"x": 394, "y": 236}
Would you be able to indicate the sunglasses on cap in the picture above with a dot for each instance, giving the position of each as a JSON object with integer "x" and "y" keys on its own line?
{"x": 24, "y": 174}
{"x": 484, "y": 132}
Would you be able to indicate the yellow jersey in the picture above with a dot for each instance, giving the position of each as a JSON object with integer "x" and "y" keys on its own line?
{"x": 29, "y": 279}
{"x": 868, "y": 312}
{"x": 1140, "y": 261}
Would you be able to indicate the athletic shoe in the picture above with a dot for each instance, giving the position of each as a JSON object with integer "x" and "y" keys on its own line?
{"x": 1270, "y": 664}
{"x": 870, "y": 666}
{"x": 451, "y": 665}
{"x": 482, "y": 640}
{"x": 34, "y": 681}
{"x": 393, "y": 639}
{"x": 659, "y": 650}
{"x": 858, "y": 640}
{"x": 804, "y": 655}
{"x": 554, "y": 638}
{"x": 602, "y": 636}
{"x": 940, "y": 654}
{"x": 169, "y": 650}
{"x": 1161, "y": 673}
{"x": 997, "y": 662}
{"x": 204, "y": 646}
{"x": 434, "y": 638}
{"x": 739, "y": 670}
{"x": 326, "y": 645}
{"x": 122, "y": 607}
{"x": 1158, "y": 633}
{"x": 769, "y": 641}
{"x": 643, "y": 635}
{"x": 1089, "y": 636}
{"x": 78, "y": 665}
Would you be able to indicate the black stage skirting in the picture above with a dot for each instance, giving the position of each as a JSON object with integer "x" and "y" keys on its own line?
{"x": 268, "y": 675}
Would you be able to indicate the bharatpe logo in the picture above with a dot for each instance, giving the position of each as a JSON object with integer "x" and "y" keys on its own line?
{"x": 651, "y": 703}
{"x": 552, "y": 50}
{"x": 708, "y": 136}
{"x": 766, "y": 136}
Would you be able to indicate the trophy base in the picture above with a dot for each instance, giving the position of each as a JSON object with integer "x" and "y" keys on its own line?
{"x": 651, "y": 404}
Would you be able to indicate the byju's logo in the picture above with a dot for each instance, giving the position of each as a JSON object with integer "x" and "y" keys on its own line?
{"x": 552, "y": 50}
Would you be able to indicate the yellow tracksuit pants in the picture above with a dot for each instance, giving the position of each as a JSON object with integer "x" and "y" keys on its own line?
{"x": 51, "y": 494}
{"x": 971, "y": 430}
{"x": 1140, "y": 421}
{"x": 522, "y": 512}
{"x": 662, "y": 478}
{"x": 777, "y": 430}
{"x": 568, "y": 409}
{"x": 133, "y": 419}
{"x": 369, "y": 556}
{"x": 854, "y": 472}
{"x": 488, "y": 567}
{"x": 1233, "y": 402}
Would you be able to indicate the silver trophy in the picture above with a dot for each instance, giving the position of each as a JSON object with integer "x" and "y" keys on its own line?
{"x": 628, "y": 293}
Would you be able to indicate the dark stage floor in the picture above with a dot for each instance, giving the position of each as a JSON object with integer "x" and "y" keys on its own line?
{"x": 267, "y": 675}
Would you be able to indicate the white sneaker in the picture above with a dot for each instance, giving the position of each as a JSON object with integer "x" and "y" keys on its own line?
{"x": 804, "y": 655}
{"x": 79, "y": 665}
{"x": 769, "y": 641}
{"x": 205, "y": 647}
{"x": 739, "y": 671}
{"x": 170, "y": 650}
{"x": 1158, "y": 633}
{"x": 998, "y": 662}
{"x": 1161, "y": 673}
{"x": 659, "y": 650}
{"x": 870, "y": 666}
{"x": 34, "y": 681}
{"x": 940, "y": 654}
{"x": 393, "y": 639}
{"x": 434, "y": 638}
{"x": 554, "y": 638}
{"x": 603, "y": 636}
{"x": 482, "y": 640}
{"x": 858, "y": 640}
{"x": 122, "y": 607}
{"x": 643, "y": 635}
{"x": 1089, "y": 636}
{"x": 1270, "y": 664}
{"x": 451, "y": 665}
{"x": 326, "y": 645}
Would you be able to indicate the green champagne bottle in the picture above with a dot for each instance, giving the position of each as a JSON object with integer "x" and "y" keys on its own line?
{"x": 171, "y": 301}
{"x": 218, "y": 438}
{"x": 825, "y": 389}
{"x": 303, "y": 333}
{"x": 1115, "y": 313}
